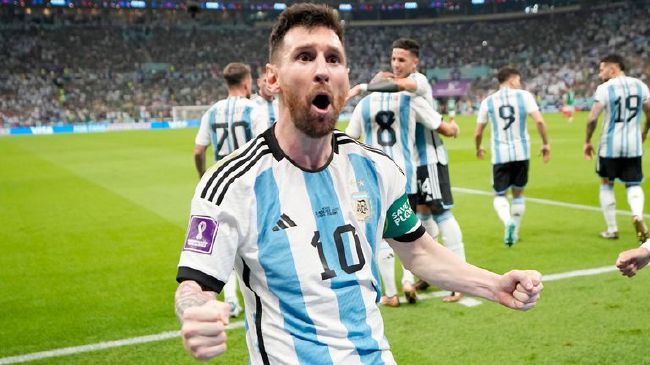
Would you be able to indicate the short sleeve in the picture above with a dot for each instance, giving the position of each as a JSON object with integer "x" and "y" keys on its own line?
{"x": 530, "y": 103}
{"x": 422, "y": 83}
{"x": 425, "y": 114}
{"x": 211, "y": 241}
{"x": 600, "y": 94}
{"x": 482, "y": 116}
{"x": 203, "y": 135}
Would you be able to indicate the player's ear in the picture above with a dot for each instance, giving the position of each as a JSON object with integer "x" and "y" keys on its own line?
{"x": 272, "y": 79}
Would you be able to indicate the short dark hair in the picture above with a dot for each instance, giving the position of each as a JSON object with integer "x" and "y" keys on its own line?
{"x": 306, "y": 15}
{"x": 235, "y": 73}
{"x": 614, "y": 58}
{"x": 506, "y": 73}
{"x": 408, "y": 44}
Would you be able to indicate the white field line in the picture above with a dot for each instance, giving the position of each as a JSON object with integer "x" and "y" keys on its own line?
{"x": 469, "y": 302}
{"x": 545, "y": 201}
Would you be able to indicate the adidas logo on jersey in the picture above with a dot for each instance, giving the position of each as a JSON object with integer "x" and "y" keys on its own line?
{"x": 283, "y": 223}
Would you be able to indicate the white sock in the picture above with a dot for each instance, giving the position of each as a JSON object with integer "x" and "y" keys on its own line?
{"x": 407, "y": 276}
{"x": 608, "y": 205}
{"x": 502, "y": 207}
{"x": 518, "y": 208}
{"x": 230, "y": 289}
{"x": 429, "y": 225}
{"x": 452, "y": 237}
{"x": 387, "y": 271}
{"x": 635, "y": 198}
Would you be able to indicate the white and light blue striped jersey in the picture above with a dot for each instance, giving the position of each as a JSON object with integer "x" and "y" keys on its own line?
{"x": 227, "y": 125}
{"x": 506, "y": 110}
{"x": 423, "y": 88}
{"x": 265, "y": 114}
{"x": 303, "y": 244}
{"x": 387, "y": 121}
{"x": 622, "y": 98}
{"x": 429, "y": 147}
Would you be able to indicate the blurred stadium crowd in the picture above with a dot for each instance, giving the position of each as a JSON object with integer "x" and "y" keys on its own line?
{"x": 86, "y": 67}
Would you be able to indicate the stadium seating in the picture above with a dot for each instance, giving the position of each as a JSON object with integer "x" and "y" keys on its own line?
{"x": 88, "y": 67}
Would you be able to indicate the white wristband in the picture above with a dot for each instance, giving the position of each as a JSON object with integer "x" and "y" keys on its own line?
{"x": 364, "y": 87}
{"x": 646, "y": 245}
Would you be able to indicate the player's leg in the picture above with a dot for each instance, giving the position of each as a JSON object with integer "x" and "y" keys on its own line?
{"x": 606, "y": 170}
{"x": 519, "y": 181}
{"x": 452, "y": 238}
{"x": 230, "y": 295}
{"x": 632, "y": 175}
{"x": 387, "y": 271}
{"x": 501, "y": 182}
{"x": 608, "y": 205}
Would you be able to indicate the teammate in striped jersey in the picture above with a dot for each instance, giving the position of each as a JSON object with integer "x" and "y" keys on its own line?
{"x": 298, "y": 211}
{"x": 506, "y": 111}
{"x": 622, "y": 98}
{"x": 228, "y": 124}
{"x": 266, "y": 111}
{"x": 387, "y": 121}
{"x": 433, "y": 187}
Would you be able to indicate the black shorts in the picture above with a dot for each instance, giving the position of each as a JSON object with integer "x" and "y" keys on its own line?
{"x": 506, "y": 175}
{"x": 628, "y": 170}
{"x": 434, "y": 187}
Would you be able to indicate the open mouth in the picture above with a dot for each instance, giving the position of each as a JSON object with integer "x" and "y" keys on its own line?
{"x": 321, "y": 101}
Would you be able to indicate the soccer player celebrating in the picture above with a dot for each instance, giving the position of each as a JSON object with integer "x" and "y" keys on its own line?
{"x": 432, "y": 198}
{"x": 228, "y": 123}
{"x": 298, "y": 211}
{"x": 506, "y": 111}
{"x": 622, "y": 98}
{"x": 388, "y": 122}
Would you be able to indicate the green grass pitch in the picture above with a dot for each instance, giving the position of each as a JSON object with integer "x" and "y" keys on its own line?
{"x": 92, "y": 226}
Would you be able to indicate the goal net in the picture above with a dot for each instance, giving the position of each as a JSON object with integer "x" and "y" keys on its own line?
{"x": 184, "y": 113}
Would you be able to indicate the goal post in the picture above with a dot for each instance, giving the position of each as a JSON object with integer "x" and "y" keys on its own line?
{"x": 184, "y": 113}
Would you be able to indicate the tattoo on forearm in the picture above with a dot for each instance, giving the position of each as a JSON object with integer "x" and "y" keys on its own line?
{"x": 189, "y": 296}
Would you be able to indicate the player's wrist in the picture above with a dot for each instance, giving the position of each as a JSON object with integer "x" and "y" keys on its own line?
{"x": 646, "y": 246}
{"x": 363, "y": 87}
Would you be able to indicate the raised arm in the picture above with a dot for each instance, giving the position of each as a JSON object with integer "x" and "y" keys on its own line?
{"x": 439, "y": 266}
{"x": 541, "y": 128}
{"x": 203, "y": 320}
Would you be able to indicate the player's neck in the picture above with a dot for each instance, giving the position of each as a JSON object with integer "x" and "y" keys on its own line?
{"x": 234, "y": 92}
{"x": 306, "y": 152}
{"x": 617, "y": 74}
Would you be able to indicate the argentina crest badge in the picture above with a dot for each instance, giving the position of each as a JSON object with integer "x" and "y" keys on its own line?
{"x": 361, "y": 205}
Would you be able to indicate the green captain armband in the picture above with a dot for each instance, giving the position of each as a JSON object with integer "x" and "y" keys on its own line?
{"x": 401, "y": 222}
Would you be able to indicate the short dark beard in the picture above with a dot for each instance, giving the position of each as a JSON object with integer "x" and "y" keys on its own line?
{"x": 314, "y": 126}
